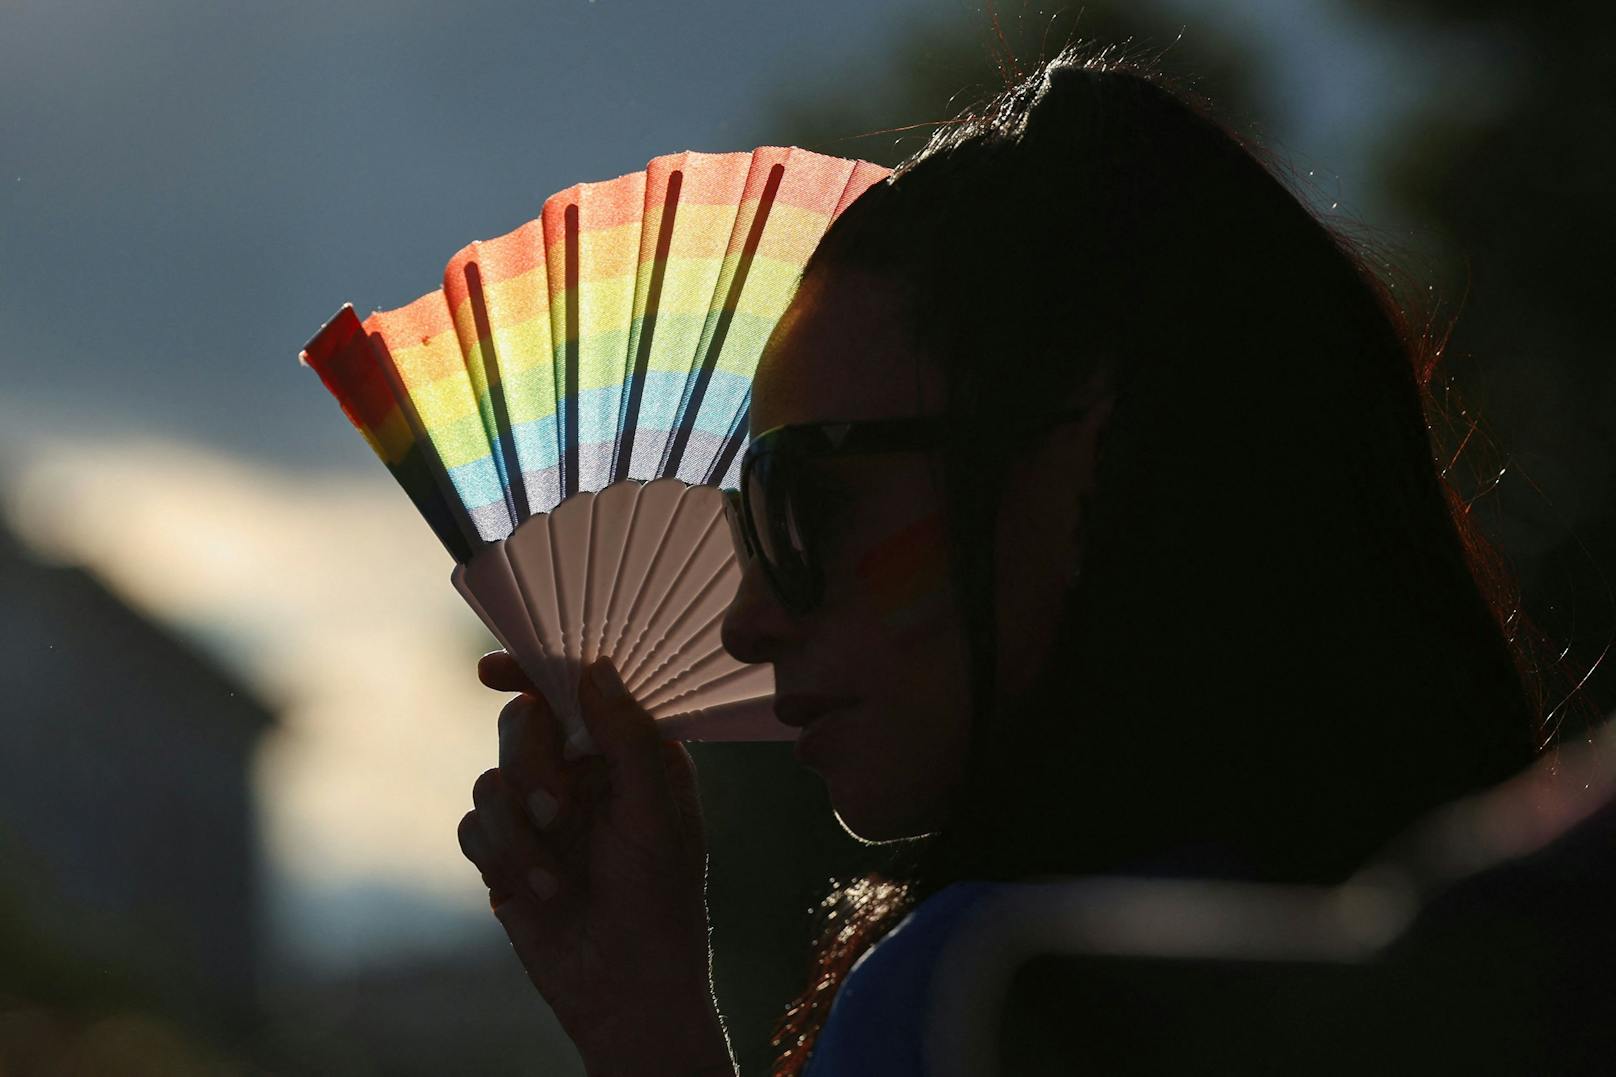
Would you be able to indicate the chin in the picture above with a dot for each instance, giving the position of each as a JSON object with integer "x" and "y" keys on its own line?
{"x": 874, "y": 827}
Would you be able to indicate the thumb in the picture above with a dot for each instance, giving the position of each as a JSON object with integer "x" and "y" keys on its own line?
{"x": 626, "y": 735}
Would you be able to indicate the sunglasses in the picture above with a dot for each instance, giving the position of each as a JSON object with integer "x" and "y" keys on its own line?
{"x": 774, "y": 516}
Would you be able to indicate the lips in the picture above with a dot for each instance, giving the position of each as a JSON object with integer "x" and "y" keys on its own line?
{"x": 800, "y": 709}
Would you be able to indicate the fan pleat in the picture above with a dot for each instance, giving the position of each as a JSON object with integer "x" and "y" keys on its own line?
{"x": 491, "y": 585}
{"x": 642, "y": 327}
{"x": 691, "y": 200}
{"x": 612, "y": 512}
{"x": 532, "y": 563}
{"x": 569, "y": 548}
{"x": 345, "y": 359}
{"x": 421, "y": 359}
{"x": 488, "y": 387}
{"x": 499, "y": 294}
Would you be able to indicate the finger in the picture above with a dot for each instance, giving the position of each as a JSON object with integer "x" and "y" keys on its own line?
{"x": 628, "y": 741}
{"x": 517, "y": 858}
{"x": 499, "y": 671}
{"x": 530, "y": 748}
{"x": 475, "y": 843}
{"x": 489, "y": 799}
{"x": 478, "y": 848}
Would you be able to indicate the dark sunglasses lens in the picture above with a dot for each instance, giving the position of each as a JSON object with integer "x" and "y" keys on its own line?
{"x": 779, "y": 530}
{"x": 756, "y": 502}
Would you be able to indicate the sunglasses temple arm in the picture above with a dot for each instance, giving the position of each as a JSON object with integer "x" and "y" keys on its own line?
{"x": 732, "y": 514}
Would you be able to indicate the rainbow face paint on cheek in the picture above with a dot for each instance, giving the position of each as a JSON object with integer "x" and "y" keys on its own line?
{"x": 905, "y": 574}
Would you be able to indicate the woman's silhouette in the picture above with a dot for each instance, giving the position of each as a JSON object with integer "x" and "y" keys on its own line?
{"x": 1161, "y": 577}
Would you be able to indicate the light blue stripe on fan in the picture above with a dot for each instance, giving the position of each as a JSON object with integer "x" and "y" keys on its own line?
{"x": 536, "y": 444}
{"x": 477, "y": 485}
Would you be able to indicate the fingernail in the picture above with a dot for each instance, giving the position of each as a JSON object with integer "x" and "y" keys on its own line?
{"x": 607, "y": 682}
{"x": 578, "y": 745}
{"x": 542, "y": 807}
{"x": 542, "y": 883}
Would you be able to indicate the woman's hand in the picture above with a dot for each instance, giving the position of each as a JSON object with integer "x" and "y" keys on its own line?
{"x": 596, "y": 868}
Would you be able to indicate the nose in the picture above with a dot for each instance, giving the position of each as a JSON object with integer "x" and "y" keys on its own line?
{"x": 755, "y": 624}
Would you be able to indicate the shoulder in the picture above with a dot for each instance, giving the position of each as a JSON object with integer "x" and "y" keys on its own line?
{"x": 878, "y": 1023}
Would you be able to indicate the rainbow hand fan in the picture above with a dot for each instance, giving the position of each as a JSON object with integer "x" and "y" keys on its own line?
{"x": 565, "y": 410}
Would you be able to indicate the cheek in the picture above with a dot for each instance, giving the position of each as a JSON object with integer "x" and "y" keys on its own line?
{"x": 909, "y": 604}
{"x": 903, "y": 576}
{"x": 895, "y": 778}
{"x": 906, "y": 630}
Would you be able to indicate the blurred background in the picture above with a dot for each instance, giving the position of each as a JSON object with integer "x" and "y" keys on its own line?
{"x": 238, "y": 714}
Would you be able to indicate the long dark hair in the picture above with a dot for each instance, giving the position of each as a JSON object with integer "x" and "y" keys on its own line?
{"x": 1287, "y": 640}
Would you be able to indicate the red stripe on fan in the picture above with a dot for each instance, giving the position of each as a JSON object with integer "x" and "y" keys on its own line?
{"x": 610, "y": 204}
{"x": 865, "y": 175}
{"x": 708, "y": 179}
{"x": 812, "y": 181}
{"x": 341, "y": 354}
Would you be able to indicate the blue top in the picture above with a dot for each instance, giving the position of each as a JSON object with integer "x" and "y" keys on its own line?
{"x": 878, "y": 1021}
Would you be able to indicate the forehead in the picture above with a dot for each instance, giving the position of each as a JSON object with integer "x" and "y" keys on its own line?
{"x": 842, "y": 351}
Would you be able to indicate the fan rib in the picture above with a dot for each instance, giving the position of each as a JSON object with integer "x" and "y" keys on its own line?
{"x": 569, "y": 399}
